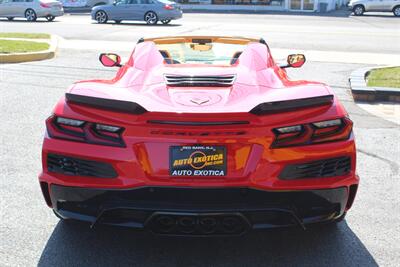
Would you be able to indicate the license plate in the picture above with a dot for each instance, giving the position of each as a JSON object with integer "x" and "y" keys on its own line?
{"x": 197, "y": 160}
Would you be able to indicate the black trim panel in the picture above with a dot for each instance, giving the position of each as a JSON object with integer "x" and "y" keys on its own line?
{"x": 289, "y": 105}
{"x": 198, "y": 123}
{"x": 134, "y": 207}
{"x": 104, "y": 103}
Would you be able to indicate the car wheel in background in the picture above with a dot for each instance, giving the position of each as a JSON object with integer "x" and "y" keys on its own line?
{"x": 396, "y": 11}
{"x": 30, "y": 15}
{"x": 101, "y": 16}
{"x": 50, "y": 18}
{"x": 151, "y": 18}
{"x": 117, "y": 21}
{"x": 358, "y": 10}
{"x": 165, "y": 21}
{"x": 10, "y": 18}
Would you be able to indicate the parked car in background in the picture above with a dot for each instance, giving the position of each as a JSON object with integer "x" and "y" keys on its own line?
{"x": 85, "y": 3}
{"x": 151, "y": 11}
{"x": 31, "y": 9}
{"x": 360, "y": 6}
{"x": 93, "y": 3}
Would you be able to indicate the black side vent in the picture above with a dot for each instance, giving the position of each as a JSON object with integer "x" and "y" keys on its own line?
{"x": 79, "y": 167}
{"x": 203, "y": 81}
{"x": 316, "y": 169}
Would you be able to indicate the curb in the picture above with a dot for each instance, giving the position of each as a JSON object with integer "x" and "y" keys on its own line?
{"x": 32, "y": 56}
{"x": 361, "y": 92}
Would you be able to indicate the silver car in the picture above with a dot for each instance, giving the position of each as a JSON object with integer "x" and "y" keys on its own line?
{"x": 360, "y": 6}
{"x": 151, "y": 11}
{"x": 31, "y": 9}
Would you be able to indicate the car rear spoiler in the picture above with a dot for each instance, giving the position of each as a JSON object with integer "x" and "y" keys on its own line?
{"x": 104, "y": 103}
{"x": 290, "y": 105}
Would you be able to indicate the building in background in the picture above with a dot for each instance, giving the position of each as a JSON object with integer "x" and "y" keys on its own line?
{"x": 263, "y": 5}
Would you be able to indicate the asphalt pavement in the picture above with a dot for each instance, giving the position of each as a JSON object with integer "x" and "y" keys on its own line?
{"x": 31, "y": 235}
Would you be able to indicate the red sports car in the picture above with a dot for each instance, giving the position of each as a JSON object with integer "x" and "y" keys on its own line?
{"x": 199, "y": 135}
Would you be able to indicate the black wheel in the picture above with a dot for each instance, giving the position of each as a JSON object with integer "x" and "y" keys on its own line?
{"x": 117, "y": 21}
{"x": 50, "y": 18}
{"x": 10, "y": 18}
{"x": 101, "y": 16}
{"x": 396, "y": 11}
{"x": 165, "y": 21}
{"x": 30, "y": 15}
{"x": 151, "y": 18}
{"x": 358, "y": 10}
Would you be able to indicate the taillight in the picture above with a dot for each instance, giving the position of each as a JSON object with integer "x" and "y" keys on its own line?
{"x": 331, "y": 130}
{"x": 168, "y": 7}
{"x": 44, "y": 5}
{"x": 313, "y": 133}
{"x": 83, "y": 131}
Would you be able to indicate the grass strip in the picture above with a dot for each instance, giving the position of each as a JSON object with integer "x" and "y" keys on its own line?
{"x": 12, "y": 46}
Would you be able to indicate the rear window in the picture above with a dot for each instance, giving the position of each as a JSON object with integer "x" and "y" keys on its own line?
{"x": 201, "y": 53}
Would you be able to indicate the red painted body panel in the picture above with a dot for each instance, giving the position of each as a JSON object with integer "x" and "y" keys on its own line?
{"x": 251, "y": 162}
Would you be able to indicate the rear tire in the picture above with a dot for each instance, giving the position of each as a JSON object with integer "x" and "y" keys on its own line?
{"x": 358, "y": 10}
{"x": 50, "y": 18}
{"x": 396, "y": 11}
{"x": 165, "y": 21}
{"x": 151, "y": 18}
{"x": 30, "y": 15}
{"x": 341, "y": 218}
{"x": 10, "y": 18}
{"x": 101, "y": 17}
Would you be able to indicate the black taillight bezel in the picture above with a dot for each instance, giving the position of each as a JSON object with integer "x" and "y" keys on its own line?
{"x": 309, "y": 129}
{"x": 89, "y": 133}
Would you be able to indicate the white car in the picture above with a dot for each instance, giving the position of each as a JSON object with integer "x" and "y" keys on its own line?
{"x": 360, "y": 6}
{"x": 85, "y": 3}
{"x": 31, "y": 9}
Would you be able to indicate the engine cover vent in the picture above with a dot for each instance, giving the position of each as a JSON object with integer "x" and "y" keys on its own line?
{"x": 199, "y": 81}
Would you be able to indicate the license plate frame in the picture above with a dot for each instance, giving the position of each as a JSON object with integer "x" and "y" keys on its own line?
{"x": 198, "y": 160}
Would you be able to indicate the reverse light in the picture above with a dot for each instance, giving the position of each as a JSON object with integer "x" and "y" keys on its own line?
{"x": 313, "y": 133}
{"x": 107, "y": 128}
{"x": 168, "y": 7}
{"x": 70, "y": 122}
{"x": 83, "y": 131}
{"x": 289, "y": 129}
{"x": 325, "y": 124}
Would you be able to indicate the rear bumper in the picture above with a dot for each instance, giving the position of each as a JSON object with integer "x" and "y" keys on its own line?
{"x": 170, "y": 14}
{"x": 199, "y": 211}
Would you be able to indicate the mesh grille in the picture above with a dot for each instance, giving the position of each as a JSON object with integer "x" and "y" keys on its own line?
{"x": 203, "y": 81}
{"x": 74, "y": 166}
{"x": 321, "y": 168}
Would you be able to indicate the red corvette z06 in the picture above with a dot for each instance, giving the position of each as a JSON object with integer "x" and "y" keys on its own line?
{"x": 199, "y": 135}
